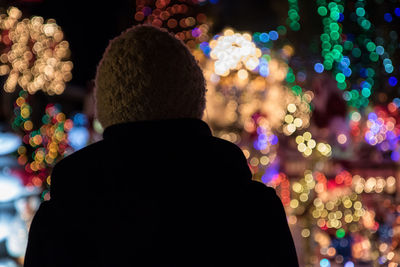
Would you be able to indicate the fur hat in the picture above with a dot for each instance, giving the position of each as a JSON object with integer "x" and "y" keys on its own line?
{"x": 148, "y": 74}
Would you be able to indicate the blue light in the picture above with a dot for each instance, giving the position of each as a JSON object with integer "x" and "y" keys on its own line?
{"x": 396, "y": 101}
{"x": 347, "y": 72}
{"x": 341, "y": 17}
{"x": 345, "y": 62}
{"x": 349, "y": 264}
{"x": 214, "y": 1}
{"x": 380, "y": 50}
{"x": 387, "y": 61}
{"x": 78, "y": 137}
{"x": 319, "y": 68}
{"x": 389, "y": 68}
{"x": 324, "y": 263}
{"x": 388, "y": 17}
{"x": 205, "y": 47}
{"x": 273, "y": 35}
{"x": 397, "y": 11}
{"x": 392, "y": 81}
{"x": 80, "y": 119}
{"x": 264, "y": 70}
{"x": 264, "y": 37}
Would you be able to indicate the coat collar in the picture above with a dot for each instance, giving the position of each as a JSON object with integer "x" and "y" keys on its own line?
{"x": 170, "y": 127}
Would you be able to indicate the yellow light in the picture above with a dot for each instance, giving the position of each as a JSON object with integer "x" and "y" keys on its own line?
{"x": 299, "y": 139}
{"x": 307, "y": 136}
{"x": 264, "y": 160}
{"x": 311, "y": 144}
{"x": 307, "y": 151}
{"x": 254, "y": 161}
{"x": 298, "y": 122}
{"x": 305, "y": 233}
{"x": 297, "y": 187}
{"x": 303, "y": 197}
{"x": 301, "y": 147}
{"x": 294, "y": 203}
{"x": 288, "y": 118}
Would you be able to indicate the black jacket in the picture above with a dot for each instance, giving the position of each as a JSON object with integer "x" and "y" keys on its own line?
{"x": 159, "y": 193}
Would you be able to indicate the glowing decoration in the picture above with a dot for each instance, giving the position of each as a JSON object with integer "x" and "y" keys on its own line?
{"x": 293, "y": 15}
{"x": 10, "y": 188}
{"x": 318, "y": 67}
{"x": 392, "y": 81}
{"x": 46, "y": 144}
{"x": 231, "y": 50}
{"x": 183, "y": 18}
{"x": 33, "y": 54}
{"x": 78, "y": 135}
{"x": 379, "y": 129}
{"x": 298, "y": 113}
{"x": 8, "y": 143}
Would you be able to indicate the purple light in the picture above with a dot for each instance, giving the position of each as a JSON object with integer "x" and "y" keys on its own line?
{"x": 395, "y": 156}
{"x": 196, "y": 32}
{"x": 372, "y": 116}
{"x": 274, "y": 140}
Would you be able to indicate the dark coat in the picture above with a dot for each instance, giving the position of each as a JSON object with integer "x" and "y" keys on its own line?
{"x": 159, "y": 193}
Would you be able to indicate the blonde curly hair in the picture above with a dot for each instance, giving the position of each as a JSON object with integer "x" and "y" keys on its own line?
{"x": 148, "y": 74}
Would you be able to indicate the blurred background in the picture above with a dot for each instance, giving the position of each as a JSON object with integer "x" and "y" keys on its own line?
{"x": 309, "y": 90}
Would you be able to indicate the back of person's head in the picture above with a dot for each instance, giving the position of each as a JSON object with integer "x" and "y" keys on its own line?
{"x": 148, "y": 74}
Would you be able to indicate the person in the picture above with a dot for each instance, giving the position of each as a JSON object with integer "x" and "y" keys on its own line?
{"x": 159, "y": 189}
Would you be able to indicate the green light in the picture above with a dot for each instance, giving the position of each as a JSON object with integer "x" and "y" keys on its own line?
{"x": 322, "y": 11}
{"x": 335, "y": 35}
{"x": 374, "y": 57}
{"x": 290, "y": 78}
{"x": 360, "y": 12}
{"x": 334, "y": 26}
{"x": 327, "y": 65}
{"x": 281, "y": 30}
{"x": 366, "y": 92}
{"x": 348, "y": 45}
{"x": 326, "y": 45}
{"x": 371, "y": 46}
{"x": 366, "y": 24}
{"x": 342, "y": 86}
{"x": 295, "y": 26}
{"x": 293, "y": 15}
{"x": 335, "y": 15}
{"x": 340, "y": 233}
{"x": 356, "y": 52}
{"x": 370, "y": 72}
{"x": 338, "y": 48}
{"x": 340, "y": 77}
{"x": 354, "y": 94}
{"x": 332, "y": 5}
{"x": 296, "y": 89}
{"x": 336, "y": 55}
{"x": 325, "y": 37}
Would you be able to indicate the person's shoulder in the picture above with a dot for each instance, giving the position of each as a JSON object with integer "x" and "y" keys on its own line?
{"x": 224, "y": 146}
{"x": 83, "y": 155}
{"x": 262, "y": 189}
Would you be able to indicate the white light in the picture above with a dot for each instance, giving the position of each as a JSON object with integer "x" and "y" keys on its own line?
{"x": 10, "y": 188}
{"x": 8, "y": 143}
{"x": 232, "y": 49}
